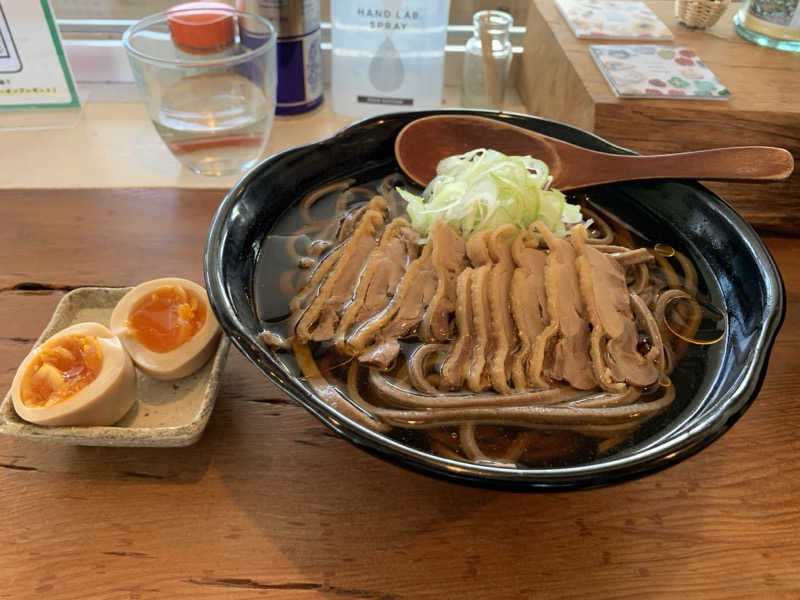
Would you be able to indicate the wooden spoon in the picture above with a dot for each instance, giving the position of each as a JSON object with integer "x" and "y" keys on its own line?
{"x": 421, "y": 144}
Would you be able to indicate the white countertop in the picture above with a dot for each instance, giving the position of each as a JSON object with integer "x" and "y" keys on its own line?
{"x": 113, "y": 144}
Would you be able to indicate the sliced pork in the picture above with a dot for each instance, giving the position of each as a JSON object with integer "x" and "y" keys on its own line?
{"x": 382, "y": 273}
{"x": 348, "y": 223}
{"x": 319, "y": 320}
{"x": 457, "y": 363}
{"x": 506, "y": 310}
{"x": 324, "y": 266}
{"x": 375, "y": 340}
{"x": 603, "y": 285}
{"x": 477, "y": 247}
{"x": 570, "y": 355}
{"x": 478, "y": 375}
{"x": 528, "y": 301}
{"x": 449, "y": 260}
{"x": 502, "y": 329}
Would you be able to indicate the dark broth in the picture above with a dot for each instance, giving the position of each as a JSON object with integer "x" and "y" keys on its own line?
{"x": 277, "y": 277}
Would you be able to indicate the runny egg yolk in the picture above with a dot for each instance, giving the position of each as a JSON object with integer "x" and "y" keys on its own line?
{"x": 166, "y": 318}
{"x": 61, "y": 369}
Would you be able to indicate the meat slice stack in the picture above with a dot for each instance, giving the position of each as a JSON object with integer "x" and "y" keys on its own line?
{"x": 615, "y": 337}
{"x": 570, "y": 357}
{"x": 448, "y": 259}
{"x": 456, "y": 366}
{"x": 424, "y": 301}
{"x": 383, "y": 270}
{"x": 537, "y": 311}
{"x": 378, "y": 286}
{"x": 528, "y": 301}
{"x": 319, "y": 320}
{"x": 510, "y": 311}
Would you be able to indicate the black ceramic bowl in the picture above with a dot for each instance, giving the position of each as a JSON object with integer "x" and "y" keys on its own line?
{"x": 719, "y": 383}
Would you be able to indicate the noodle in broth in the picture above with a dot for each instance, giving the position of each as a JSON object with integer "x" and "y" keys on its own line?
{"x": 409, "y": 397}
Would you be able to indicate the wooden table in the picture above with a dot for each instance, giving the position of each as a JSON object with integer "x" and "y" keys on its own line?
{"x": 269, "y": 503}
{"x": 558, "y": 79}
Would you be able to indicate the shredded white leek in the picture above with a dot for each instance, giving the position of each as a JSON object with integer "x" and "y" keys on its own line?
{"x": 483, "y": 188}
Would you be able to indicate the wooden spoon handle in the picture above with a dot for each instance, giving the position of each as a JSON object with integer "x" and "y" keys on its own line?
{"x": 741, "y": 163}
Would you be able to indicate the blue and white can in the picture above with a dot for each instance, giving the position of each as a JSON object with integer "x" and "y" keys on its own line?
{"x": 296, "y": 23}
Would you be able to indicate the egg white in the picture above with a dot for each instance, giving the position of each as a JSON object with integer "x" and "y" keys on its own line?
{"x": 183, "y": 360}
{"x": 104, "y": 401}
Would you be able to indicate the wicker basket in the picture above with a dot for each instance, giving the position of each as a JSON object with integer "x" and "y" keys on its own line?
{"x": 700, "y": 13}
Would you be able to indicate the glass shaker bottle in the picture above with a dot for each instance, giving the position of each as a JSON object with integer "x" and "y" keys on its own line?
{"x": 487, "y": 60}
{"x": 297, "y": 23}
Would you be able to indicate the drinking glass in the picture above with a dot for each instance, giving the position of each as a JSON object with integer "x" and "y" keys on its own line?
{"x": 208, "y": 77}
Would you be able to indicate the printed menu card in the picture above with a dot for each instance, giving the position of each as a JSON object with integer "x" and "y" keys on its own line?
{"x": 33, "y": 68}
{"x": 613, "y": 19}
{"x": 652, "y": 71}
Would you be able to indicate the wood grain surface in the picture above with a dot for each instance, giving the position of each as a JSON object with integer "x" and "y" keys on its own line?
{"x": 558, "y": 79}
{"x": 271, "y": 504}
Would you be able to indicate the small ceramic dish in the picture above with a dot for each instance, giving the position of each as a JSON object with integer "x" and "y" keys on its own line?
{"x": 166, "y": 413}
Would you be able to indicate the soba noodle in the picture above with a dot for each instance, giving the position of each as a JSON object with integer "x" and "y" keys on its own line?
{"x": 514, "y": 423}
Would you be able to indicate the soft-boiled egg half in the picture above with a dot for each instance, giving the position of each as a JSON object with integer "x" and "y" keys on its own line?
{"x": 79, "y": 376}
{"x": 167, "y": 327}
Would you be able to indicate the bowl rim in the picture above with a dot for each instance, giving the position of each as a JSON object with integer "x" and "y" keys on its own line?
{"x": 735, "y": 402}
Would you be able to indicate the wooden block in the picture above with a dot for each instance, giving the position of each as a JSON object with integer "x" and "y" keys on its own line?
{"x": 546, "y": 77}
{"x": 559, "y": 80}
